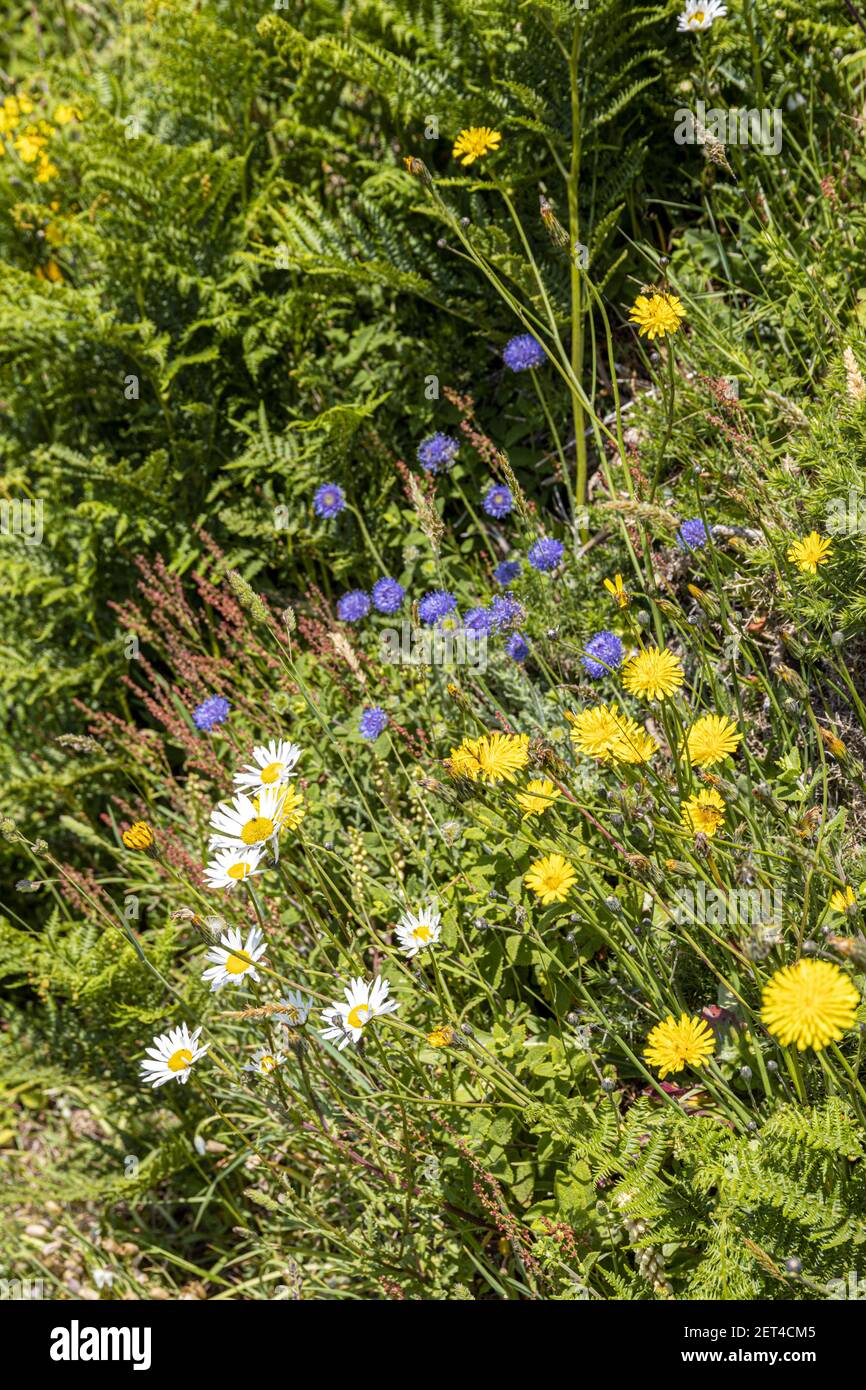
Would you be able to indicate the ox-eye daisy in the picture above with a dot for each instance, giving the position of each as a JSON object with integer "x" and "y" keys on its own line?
{"x": 347, "y": 1020}
{"x": 417, "y": 930}
{"x": 231, "y": 866}
{"x": 295, "y": 1009}
{"x": 171, "y": 1056}
{"x": 264, "y": 1061}
{"x": 244, "y": 823}
{"x": 699, "y": 14}
{"x": 272, "y": 764}
{"x": 230, "y": 965}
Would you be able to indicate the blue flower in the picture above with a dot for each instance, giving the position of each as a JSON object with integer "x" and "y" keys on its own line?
{"x": 517, "y": 647}
{"x": 602, "y": 653}
{"x": 353, "y": 606}
{"x": 523, "y": 352}
{"x": 507, "y": 571}
{"x": 372, "y": 722}
{"x": 498, "y": 501}
{"x": 211, "y": 712}
{"x": 545, "y": 554}
{"x": 437, "y": 451}
{"x": 692, "y": 535}
{"x": 478, "y": 620}
{"x": 506, "y": 612}
{"x": 435, "y": 605}
{"x": 387, "y": 595}
{"x": 329, "y": 501}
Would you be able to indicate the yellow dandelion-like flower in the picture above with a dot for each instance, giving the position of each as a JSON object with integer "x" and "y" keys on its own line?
{"x": 653, "y": 674}
{"x": 657, "y": 314}
{"x": 29, "y": 145}
{"x": 596, "y": 732}
{"x": 463, "y": 761}
{"x": 291, "y": 810}
{"x": 809, "y": 1004}
{"x": 499, "y": 756}
{"x": 677, "y": 1043}
{"x": 634, "y": 745}
{"x": 843, "y": 898}
{"x": 441, "y": 1037}
{"x": 551, "y": 878}
{"x": 64, "y": 113}
{"x": 704, "y": 812}
{"x": 810, "y": 552}
{"x": 538, "y": 797}
{"x": 616, "y": 587}
{"x": 138, "y": 836}
{"x": 478, "y": 140}
{"x": 711, "y": 738}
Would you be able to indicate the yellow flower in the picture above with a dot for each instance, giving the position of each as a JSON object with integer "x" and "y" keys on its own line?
{"x": 499, "y": 756}
{"x": 463, "y": 761}
{"x": 50, "y": 271}
{"x": 616, "y": 587}
{"x": 711, "y": 738}
{"x": 657, "y": 315}
{"x": 677, "y": 1043}
{"x": 551, "y": 878}
{"x": 634, "y": 745}
{"x": 809, "y": 1004}
{"x": 843, "y": 898}
{"x": 291, "y": 810}
{"x": 596, "y": 732}
{"x": 138, "y": 836}
{"x": 478, "y": 140}
{"x": 540, "y": 794}
{"x": 653, "y": 674}
{"x": 46, "y": 170}
{"x": 29, "y": 145}
{"x": 704, "y": 812}
{"x": 441, "y": 1037}
{"x": 63, "y": 114}
{"x": 810, "y": 552}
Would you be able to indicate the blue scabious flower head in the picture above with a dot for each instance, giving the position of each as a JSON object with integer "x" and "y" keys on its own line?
{"x": 329, "y": 501}
{"x": 523, "y": 352}
{"x": 602, "y": 653}
{"x": 438, "y": 451}
{"x": 545, "y": 554}
{"x": 517, "y": 647}
{"x": 211, "y": 712}
{"x": 372, "y": 722}
{"x": 692, "y": 535}
{"x": 507, "y": 571}
{"x": 353, "y": 606}
{"x": 478, "y": 620}
{"x": 387, "y": 595}
{"x": 435, "y": 606}
{"x": 506, "y": 612}
{"x": 498, "y": 501}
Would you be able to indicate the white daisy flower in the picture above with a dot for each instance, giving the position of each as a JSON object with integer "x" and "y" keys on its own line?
{"x": 264, "y": 1062}
{"x": 363, "y": 1001}
{"x": 417, "y": 930}
{"x": 272, "y": 765}
{"x": 295, "y": 1010}
{"x": 245, "y": 822}
{"x": 699, "y": 14}
{"x": 231, "y": 866}
{"x": 171, "y": 1056}
{"x": 229, "y": 966}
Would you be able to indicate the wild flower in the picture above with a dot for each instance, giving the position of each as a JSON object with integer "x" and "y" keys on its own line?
{"x": 416, "y": 931}
{"x": 441, "y": 1037}
{"x": 809, "y": 1004}
{"x": 842, "y": 899}
{"x": 505, "y": 612}
{"x": 373, "y": 722}
{"x": 677, "y": 1043}
{"x": 700, "y": 14}
{"x": 692, "y": 535}
{"x": 364, "y": 1001}
{"x": 809, "y": 552}
{"x": 602, "y": 654}
{"x": 353, "y": 606}
{"x": 551, "y": 879}
{"x": 437, "y": 452}
{"x": 712, "y": 738}
{"x": 273, "y": 764}
{"x": 545, "y": 554}
{"x": 435, "y": 606}
{"x": 523, "y": 352}
{"x": 474, "y": 142}
{"x": 171, "y": 1056}
{"x": 657, "y": 315}
{"x": 494, "y": 757}
{"x": 616, "y": 589}
{"x": 294, "y": 1009}
{"x": 517, "y": 647}
{"x": 603, "y": 732}
{"x": 538, "y": 797}
{"x": 234, "y": 959}
{"x": 244, "y": 821}
{"x": 506, "y": 571}
{"x": 704, "y": 812}
{"x": 388, "y": 595}
{"x": 231, "y": 866}
{"x": 498, "y": 501}
{"x": 264, "y": 1062}
{"x": 211, "y": 712}
{"x": 329, "y": 501}
{"x": 653, "y": 674}
{"x": 139, "y": 836}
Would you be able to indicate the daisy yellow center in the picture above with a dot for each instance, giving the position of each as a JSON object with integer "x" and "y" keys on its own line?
{"x": 180, "y": 1060}
{"x": 422, "y": 933}
{"x": 271, "y": 773}
{"x": 698, "y": 17}
{"x": 235, "y": 966}
{"x": 237, "y": 871}
{"x": 258, "y": 829}
{"x": 268, "y": 1063}
{"x": 354, "y": 1016}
